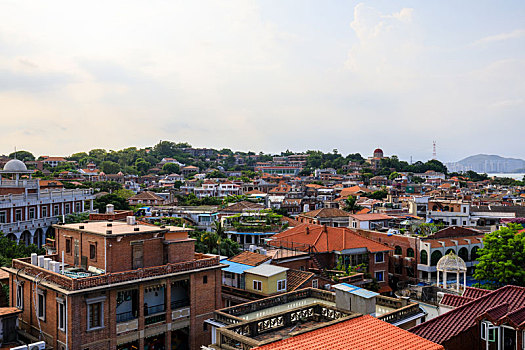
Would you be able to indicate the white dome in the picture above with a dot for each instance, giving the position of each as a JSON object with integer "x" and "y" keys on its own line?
{"x": 15, "y": 166}
{"x": 451, "y": 263}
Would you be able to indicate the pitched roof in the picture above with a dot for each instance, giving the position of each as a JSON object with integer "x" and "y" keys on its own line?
{"x": 296, "y": 278}
{"x": 325, "y": 239}
{"x": 474, "y": 293}
{"x": 267, "y": 270}
{"x": 454, "y": 300}
{"x": 326, "y": 213}
{"x": 249, "y": 258}
{"x": 243, "y": 205}
{"x": 452, "y": 323}
{"x": 371, "y": 217}
{"x": 146, "y": 195}
{"x": 355, "y": 333}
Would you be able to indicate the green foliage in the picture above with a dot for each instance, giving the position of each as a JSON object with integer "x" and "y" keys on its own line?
{"x": 351, "y": 205}
{"x": 109, "y": 167}
{"x": 142, "y": 166}
{"x": 24, "y": 156}
{"x": 473, "y": 176}
{"x": 10, "y": 250}
{"x": 171, "y": 168}
{"x": 119, "y": 202}
{"x": 418, "y": 167}
{"x": 104, "y": 186}
{"x": 212, "y": 243}
{"x": 75, "y": 218}
{"x": 502, "y": 259}
{"x": 216, "y": 174}
{"x": 192, "y": 200}
{"x": 380, "y": 194}
{"x": 417, "y": 180}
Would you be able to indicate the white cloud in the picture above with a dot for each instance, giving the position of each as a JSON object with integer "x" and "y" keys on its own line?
{"x": 515, "y": 34}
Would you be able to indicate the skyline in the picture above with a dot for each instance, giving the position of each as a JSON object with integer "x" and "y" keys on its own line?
{"x": 264, "y": 76}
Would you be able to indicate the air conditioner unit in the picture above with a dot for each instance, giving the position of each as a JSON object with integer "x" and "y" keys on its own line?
{"x": 41, "y": 345}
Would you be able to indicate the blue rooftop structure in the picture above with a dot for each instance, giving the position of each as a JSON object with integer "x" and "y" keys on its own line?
{"x": 234, "y": 267}
{"x": 364, "y": 293}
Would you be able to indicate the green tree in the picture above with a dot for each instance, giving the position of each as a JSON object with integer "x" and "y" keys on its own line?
{"x": 111, "y": 198}
{"x": 109, "y": 167}
{"x": 142, "y": 166}
{"x": 394, "y": 175}
{"x": 24, "y": 156}
{"x": 502, "y": 259}
{"x": 171, "y": 168}
{"x": 10, "y": 250}
{"x": 351, "y": 204}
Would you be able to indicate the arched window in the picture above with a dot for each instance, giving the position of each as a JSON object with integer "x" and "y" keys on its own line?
{"x": 434, "y": 258}
{"x": 410, "y": 252}
{"x": 474, "y": 254}
{"x": 450, "y": 251}
{"x": 424, "y": 257}
{"x": 463, "y": 254}
{"x": 398, "y": 250}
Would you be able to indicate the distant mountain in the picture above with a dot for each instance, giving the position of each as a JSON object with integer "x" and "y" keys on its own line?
{"x": 486, "y": 163}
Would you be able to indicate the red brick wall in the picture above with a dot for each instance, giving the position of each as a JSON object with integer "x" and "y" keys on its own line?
{"x": 178, "y": 251}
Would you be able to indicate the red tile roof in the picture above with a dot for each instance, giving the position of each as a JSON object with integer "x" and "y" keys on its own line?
{"x": 326, "y": 213}
{"x": 296, "y": 278}
{"x": 474, "y": 293}
{"x": 249, "y": 258}
{"x": 363, "y": 333}
{"x": 325, "y": 239}
{"x": 454, "y": 322}
{"x": 453, "y": 300}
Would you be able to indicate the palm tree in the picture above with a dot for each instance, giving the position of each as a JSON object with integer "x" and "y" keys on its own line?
{"x": 351, "y": 204}
{"x": 219, "y": 229}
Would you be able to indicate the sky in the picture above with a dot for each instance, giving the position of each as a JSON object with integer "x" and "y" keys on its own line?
{"x": 264, "y": 76}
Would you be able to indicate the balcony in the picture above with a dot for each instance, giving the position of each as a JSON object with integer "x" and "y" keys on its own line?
{"x": 201, "y": 261}
{"x": 27, "y": 225}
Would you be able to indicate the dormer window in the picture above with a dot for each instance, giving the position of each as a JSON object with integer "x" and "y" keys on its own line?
{"x": 489, "y": 332}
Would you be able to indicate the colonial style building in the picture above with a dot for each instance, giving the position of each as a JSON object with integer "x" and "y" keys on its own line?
{"x": 27, "y": 211}
{"x": 117, "y": 285}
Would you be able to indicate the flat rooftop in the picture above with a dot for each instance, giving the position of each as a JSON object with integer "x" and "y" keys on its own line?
{"x": 116, "y": 228}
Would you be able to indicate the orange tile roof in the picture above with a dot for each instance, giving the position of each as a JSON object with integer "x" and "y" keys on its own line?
{"x": 249, "y": 258}
{"x": 325, "y": 239}
{"x": 363, "y": 333}
{"x": 9, "y": 310}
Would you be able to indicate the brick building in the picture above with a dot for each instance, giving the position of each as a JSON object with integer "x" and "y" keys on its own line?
{"x": 117, "y": 285}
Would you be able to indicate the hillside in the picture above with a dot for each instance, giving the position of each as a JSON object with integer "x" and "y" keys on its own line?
{"x": 486, "y": 163}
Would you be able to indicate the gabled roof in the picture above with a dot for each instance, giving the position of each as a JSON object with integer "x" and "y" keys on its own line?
{"x": 363, "y": 333}
{"x": 267, "y": 270}
{"x": 454, "y": 322}
{"x": 326, "y": 213}
{"x": 325, "y": 239}
{"x": 371, "y": 217}
{"x": 242, "y": 206}
{"x": 249, "y": 258}
{"x": 296, "y": 278}
{"x": 146, "y": 195}
{"x": 474, "y": 293}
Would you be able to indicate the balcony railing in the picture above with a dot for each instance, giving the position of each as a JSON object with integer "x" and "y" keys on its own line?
{"x": 177, "y": 304}
{"x": 201, "y": 261}
{"x": 155, "y": 309}
{"x": 126, "y": 316}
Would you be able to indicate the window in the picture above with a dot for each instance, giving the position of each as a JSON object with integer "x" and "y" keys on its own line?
{"x": 31, "y": 213}
{"x": 379, "y": 257}
{"x": 20, "y": 295}
{"x": 61, "y": 314}
{"x": 204, "y": 279}
{"x": 95, "y": 313}
{"x": 380, "y": 276}
{"x": 41, "y": 305}
{"x": 315, "y": 283}
{"x": 354, "y": 224}
{"x": 454, "y": 221}
{"x": 56, "y": 210}
{"x": 93, "y": 251}
{"x": 68, "y": 245}
{"x": 398, "y": 250}
{"x": 67, "y": 207}
{"x": 18, "y": 215}
{"x": 489, "y": 332}
{"x": 410, "y": 253}
{"x": 257, "y": 285}
{"x": 205, "y": 327}
{"x": 2, "y": 217}
{"x": 281, "y": 285}
{"x": 44, "y": 212}
{"x": 77, "y": 206}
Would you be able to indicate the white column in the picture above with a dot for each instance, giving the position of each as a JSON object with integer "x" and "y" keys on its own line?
{"x": 437, "y": 284}
{"x": 445, "y": 279}
{"x": 457, "y": 279}
{"x": 91, "y": 205}
{"x": 464, "y": 280}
